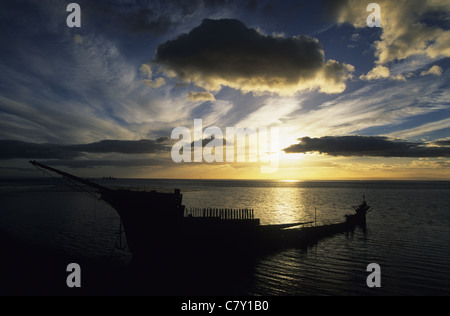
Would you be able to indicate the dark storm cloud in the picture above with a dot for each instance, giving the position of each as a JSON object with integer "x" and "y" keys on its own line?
{"x": 366, "y": 146}
{"x": 227, "y": 53}
{"x": 22, "y": 150}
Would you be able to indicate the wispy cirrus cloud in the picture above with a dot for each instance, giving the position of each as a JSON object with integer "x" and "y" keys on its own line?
{"x": 423, "y": 129}
{"x": 77, "y": 87}
{"x": 381, "y": 107}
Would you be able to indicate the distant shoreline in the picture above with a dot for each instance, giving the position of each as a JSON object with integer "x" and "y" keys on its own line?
{"x": 230, "y": 180}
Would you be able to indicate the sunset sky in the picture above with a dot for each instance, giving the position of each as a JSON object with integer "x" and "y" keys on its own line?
{"x": 349, "y": 101}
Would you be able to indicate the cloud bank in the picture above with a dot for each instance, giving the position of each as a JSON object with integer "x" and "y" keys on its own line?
{"x": 368, "y": 146}
{"x": 227, "y": 53}
{"x": 11, "y": 149}
{"x": 410, "y": 27}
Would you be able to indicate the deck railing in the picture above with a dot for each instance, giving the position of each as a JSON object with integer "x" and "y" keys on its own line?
{"x": 225, "y": 214}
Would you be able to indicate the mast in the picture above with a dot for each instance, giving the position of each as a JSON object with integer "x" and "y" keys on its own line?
{"x": 72, "y": 177}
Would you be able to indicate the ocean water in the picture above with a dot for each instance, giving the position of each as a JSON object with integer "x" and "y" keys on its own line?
{"x": 407, "y": 234}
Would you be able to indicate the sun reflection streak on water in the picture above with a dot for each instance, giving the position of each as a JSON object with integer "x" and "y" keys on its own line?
{"x": 283, "y": 205}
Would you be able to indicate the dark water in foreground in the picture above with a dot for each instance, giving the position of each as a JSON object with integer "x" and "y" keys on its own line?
{"x": 44, "y": 226}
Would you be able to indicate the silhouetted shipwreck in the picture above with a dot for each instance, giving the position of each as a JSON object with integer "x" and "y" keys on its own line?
{"x": 158, "y": 226}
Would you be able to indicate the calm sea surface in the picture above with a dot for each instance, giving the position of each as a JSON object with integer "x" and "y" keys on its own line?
{"x": 408, "y": 232}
